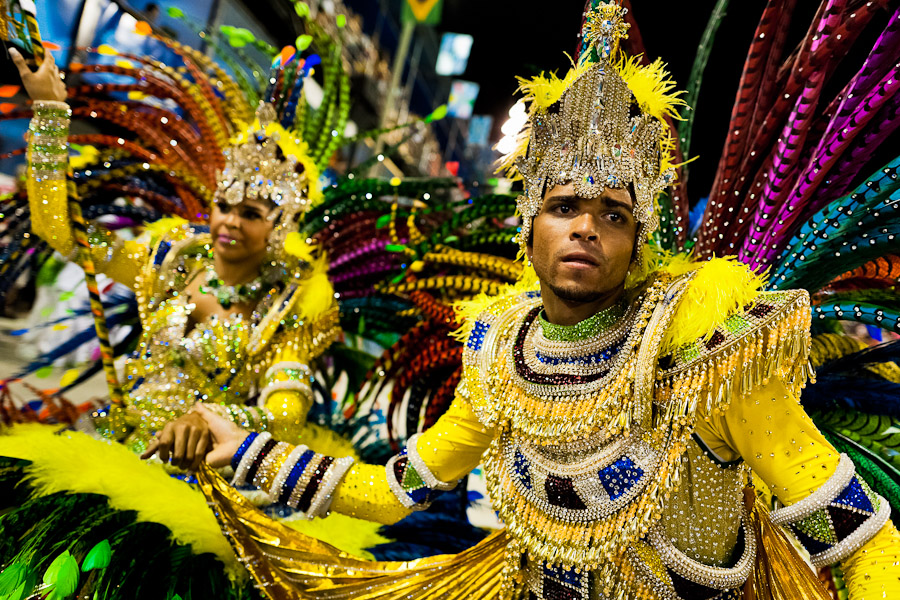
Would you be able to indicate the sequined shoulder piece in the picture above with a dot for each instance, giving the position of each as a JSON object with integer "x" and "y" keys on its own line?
{"x": 483, "y": 347}
{"x": 171, "y": 260}
{"x": 769, "y": 338}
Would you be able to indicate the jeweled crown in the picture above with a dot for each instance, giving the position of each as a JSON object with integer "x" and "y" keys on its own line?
{"x": 600, "y": 126}
{"x": 256, "y": 168}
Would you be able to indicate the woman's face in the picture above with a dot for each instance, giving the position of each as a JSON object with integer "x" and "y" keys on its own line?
{"x": 241, "y": 231}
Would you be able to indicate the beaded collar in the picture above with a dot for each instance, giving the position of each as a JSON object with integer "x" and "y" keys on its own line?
{"x": 590, "y": 327}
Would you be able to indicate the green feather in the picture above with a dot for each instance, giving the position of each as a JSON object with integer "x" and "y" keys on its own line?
{"x": 62, "y": 575}
{"x": 98, "y": 557}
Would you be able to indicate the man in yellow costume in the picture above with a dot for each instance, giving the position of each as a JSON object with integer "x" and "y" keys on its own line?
{"x": 620, "y": 407}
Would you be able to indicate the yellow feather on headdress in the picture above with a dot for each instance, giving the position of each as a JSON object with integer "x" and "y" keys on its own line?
{"x": 653, "y": 90}
{"x": 655, "y": 93}
{"x": 539, "y": 94}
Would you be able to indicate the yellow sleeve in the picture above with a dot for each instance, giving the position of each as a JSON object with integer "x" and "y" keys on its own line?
{"x": 313, "y": 483}
{"x": 773, "y": 434}
{"x": 776, "y": 438}
{"x": 48, "y": 197}
{"x": 449, "y": 450}
{"x": 284, "y": 400}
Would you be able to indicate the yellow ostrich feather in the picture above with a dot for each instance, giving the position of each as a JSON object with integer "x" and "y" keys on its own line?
{"x": 721, "y": 287}
{"x": 165, "y": 227}
{"x": 74, "y": 462}
{"x": 653, "y": 89}
{"x": 315, "y": 295}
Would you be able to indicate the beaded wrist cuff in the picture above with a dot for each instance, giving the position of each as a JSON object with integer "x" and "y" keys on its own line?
{"x": 243, "y": 470}
{"x": 838, "y": 518}
{"x": 236, "y": 459}
{"x": 411, "y": 480}
{"x": 245, "y": 417}
{"x": 48, "y": 145}
{"x": 304, "y": 480}
{"x": 298, "y": 379}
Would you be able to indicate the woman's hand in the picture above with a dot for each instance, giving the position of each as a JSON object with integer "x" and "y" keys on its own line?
{"x": 43, "y": 84}
{"x": 226, "y": 437}
{"x": 184, "y": 442}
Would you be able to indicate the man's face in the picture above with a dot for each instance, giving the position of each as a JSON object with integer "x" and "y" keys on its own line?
{"x": 581, "y": 247}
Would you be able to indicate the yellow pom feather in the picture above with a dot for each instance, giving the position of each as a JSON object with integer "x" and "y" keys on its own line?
{"x": 296, "y": 245}
{"x": 315, "y": 295}
{"x": 721, "y": 287}
{"x": 653, "y": 90}
{"x": 468, "y": 310}
{"x": 74, "y": 462}
{"x": 165, "y": 227}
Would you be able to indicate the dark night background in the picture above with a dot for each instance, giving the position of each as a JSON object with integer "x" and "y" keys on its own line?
{"x": 523, "y": 39}
{"x": 519, "y": 38}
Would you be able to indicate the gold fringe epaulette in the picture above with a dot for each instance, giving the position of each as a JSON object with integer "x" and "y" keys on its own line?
{"x": 767, "y": 340}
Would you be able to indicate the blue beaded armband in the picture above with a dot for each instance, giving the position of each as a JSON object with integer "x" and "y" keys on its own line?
{"x": 236, "y": 459}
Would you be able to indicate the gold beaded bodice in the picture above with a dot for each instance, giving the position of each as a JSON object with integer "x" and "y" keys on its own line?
{"x": 222, "y": 360}
{"x": 593, "y": 468}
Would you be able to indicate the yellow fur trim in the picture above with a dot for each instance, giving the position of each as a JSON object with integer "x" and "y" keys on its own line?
{"x": 721, "y": 287}
{"x": 74, "y": 462}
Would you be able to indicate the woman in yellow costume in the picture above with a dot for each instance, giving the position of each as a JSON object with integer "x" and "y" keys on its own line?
{"x": 230, "y": 313}
{"x": 621, "y": 401}
{"x": 234, "y": 314}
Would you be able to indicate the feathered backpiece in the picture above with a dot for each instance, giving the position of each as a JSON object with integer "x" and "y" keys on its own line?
{"x": 602, "y": 125}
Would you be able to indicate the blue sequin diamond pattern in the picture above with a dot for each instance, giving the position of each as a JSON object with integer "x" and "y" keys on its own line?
{"x": 476, "y": 338}
{"x": 520, "y": 466}
{"x": 619, "y": 477}
{"x": 855, "y": 496}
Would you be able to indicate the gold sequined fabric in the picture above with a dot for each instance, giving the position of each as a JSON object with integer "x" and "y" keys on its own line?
{"x": 291, "y": 566}
{"x": 221, "y": 360}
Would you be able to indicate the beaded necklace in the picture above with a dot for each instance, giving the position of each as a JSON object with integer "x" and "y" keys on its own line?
{"x": 229, "y": 295}
{"x": 590, "y": 327}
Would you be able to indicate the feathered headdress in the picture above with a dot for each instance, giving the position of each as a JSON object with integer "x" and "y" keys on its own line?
{"x": 602, "y": 125}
